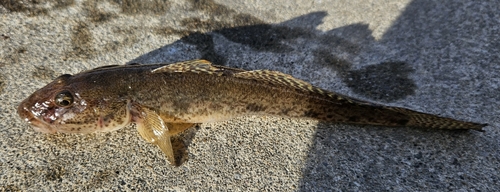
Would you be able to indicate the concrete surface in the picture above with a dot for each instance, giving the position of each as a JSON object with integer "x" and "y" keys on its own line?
{"x": 439, "y": 57}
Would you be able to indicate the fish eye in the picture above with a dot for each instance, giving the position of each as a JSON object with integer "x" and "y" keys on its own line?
{"x": 64, "y": 99}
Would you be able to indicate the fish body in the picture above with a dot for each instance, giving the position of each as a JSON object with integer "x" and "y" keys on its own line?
{"x": 165, "y": 99}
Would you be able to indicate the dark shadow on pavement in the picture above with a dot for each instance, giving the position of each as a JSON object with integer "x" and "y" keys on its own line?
{"x": 432, "y": 46}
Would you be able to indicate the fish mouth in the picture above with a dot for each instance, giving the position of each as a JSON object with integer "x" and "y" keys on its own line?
{"x": 37, "y": 124}
{"x": 41, "y": 126}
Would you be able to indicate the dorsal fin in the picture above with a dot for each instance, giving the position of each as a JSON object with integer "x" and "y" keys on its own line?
{"x": 196, "y": 66}
{"x": 279, "y": 78}
{"x": 102, "y": 68}
{"x": 275, "y": 77}
{"x": 265, "y": 76}
{"x": 105, "y": 67}
{"x": 204, "y": 66}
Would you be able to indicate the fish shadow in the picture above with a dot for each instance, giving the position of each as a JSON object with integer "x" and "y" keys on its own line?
{"x": 347, "y": 157}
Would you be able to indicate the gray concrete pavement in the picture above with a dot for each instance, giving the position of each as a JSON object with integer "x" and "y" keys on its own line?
{"x": 439, "y": 57}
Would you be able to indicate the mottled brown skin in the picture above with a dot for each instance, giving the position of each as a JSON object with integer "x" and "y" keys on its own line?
{"x": 168, "y": 99}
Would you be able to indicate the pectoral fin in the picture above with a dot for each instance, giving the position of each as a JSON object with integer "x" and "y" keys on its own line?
{"x": 155, "y": 130}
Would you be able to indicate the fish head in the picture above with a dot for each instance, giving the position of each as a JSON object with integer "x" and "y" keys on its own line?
{"x": 62, "y": 106}
{"x": 48, "y": 108}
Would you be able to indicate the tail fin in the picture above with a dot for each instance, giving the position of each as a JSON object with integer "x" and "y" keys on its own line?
{"x": 352, "y": 111}
{"x": 419, "y": 119}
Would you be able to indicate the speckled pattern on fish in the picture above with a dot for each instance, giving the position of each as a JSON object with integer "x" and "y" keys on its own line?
{"x": 164, "y": 100}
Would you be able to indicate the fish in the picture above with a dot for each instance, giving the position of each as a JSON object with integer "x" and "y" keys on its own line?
{"x": 164, "y": 100}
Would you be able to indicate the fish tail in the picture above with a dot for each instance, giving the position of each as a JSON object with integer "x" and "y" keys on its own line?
{"x": 350, "y": 111}
{"x": 419, "y": 119}
{"x": 324, "y": 105}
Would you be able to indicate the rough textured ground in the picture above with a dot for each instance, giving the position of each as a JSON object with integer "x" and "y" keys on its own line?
{"x": 440, "y": 57}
